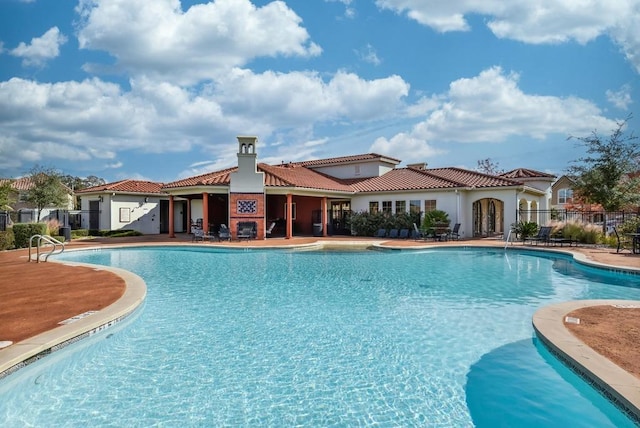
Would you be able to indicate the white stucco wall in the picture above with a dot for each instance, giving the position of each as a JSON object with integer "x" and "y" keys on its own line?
{"x": 132, "y": 212}
{"x": 355, "y": 170}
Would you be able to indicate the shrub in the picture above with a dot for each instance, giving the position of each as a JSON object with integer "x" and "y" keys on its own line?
{"x": 24, "y": 231}
{"x": 366, "y": 224}
{"x": 7, "y": 240}
{"x": 432, "y": 218}
{"x": 79, "y": 233}
{"x": 53, "y": 227}
{"x": 525, "y": 229}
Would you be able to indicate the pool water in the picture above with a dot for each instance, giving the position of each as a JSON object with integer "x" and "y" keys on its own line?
{"x": 280, "y": 338}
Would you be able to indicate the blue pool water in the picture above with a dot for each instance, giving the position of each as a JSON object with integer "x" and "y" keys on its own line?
{"x": 275, "y": 338}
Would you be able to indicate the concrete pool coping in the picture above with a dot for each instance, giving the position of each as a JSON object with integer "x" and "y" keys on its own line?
{"x": 612, "y": 381}
{"x": 23, "y": 353}
{"x": 623, "y": 389}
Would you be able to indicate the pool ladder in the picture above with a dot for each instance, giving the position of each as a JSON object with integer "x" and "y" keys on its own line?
{"x": 57, "y": 247}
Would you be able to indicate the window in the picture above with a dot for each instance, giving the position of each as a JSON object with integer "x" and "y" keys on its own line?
{"x": 386, "y": 207}
{"x": 429, "y": 205}
{"x": 401, "y": 207}
{"x": 357, "y": 170}
{"x": 125, "y": 215}
{"x": 373, "y": 207}
{"x": 414, "y": 207}
{"x": 565, "y": 196}
{"x": 293, "y": 211}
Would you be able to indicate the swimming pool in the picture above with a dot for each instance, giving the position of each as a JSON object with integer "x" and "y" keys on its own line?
{"x": 282, "y": 338}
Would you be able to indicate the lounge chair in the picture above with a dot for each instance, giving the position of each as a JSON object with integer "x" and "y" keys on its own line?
{"x": 381, "y": 233}
{"x": 270, "y": 229}
{"x": 224, "y": 233}
{"x": 416, "y": 233}
{"x": 393, "y": 233}
{"x": 455, "y": 233}
{"x": 404, "y": 234}
{"x": 544, "y": 235}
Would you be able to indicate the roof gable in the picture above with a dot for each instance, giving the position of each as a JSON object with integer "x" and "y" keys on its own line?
{"x": 125, "y": 186}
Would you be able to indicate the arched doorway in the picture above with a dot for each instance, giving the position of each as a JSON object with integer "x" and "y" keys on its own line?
{"x": 488, "y": 217}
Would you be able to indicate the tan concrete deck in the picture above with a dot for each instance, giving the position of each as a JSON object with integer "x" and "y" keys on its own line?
{"x": 37, "y": 296}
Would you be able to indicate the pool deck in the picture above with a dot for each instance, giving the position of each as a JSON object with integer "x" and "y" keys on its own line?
{"x": 94, "y": 298}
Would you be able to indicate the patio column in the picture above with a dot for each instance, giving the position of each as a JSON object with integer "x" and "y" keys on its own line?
{"x": 172, "y": 233}
{"x": 289, "y": 233}
{"x": 189, "y": 215}
{"x": 205, "y": 212}
{"x": 324, "y": 216}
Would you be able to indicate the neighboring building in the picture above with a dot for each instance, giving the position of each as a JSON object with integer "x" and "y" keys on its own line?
{"x": 127, "y": 204}
{"x": 562, "y": 193}
{"x": 25, "y": 211}
{"x": 316, "y": 197}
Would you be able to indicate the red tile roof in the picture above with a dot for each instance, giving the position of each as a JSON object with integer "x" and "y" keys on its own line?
{"x": 428, "y": 179}
{"x": 24, "y": 184}
{"x": 126, "y": 186}
{"x": 468, "y": 178}
{"x": 348, "y": 159}
{"x": 216, "y": 178}
{"x": 526, "y": 173}
{"x": 296, "y": 175}
{"x": 303, "y": 175}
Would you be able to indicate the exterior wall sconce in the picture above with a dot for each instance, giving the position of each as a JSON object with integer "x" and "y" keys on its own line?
{"x": 101, "y": 199}
{"x": 146, "y": 199}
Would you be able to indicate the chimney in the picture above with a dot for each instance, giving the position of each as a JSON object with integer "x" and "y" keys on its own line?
{"x": 419, "y": 165}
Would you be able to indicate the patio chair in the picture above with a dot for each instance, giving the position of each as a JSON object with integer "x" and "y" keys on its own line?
{"x": 224, "y": 233}
{"x": 393, "y": 233}
{"x": 270, "y": 229}
{"x": 245, "y": 233}
{"x": 455, "y": 233}
{"x": 381, "y": 233}
{"x": 197, "y": 234}
{"x": 544, "y": 235}
{"x": 622, "y": 241}
{"x": 404, "y": 234}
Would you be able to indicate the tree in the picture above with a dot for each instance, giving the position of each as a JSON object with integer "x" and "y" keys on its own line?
{"x": 6, "y": 193}
{"x": 79, "y": 183}
{"x": 47, "y": 189}
{"x": 488, "y": 166}
{"x": 607, "y": 175}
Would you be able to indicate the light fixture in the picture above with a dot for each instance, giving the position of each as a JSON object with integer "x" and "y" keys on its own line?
{"x": 100, "y": 198}
{"x": 146, "y": 199}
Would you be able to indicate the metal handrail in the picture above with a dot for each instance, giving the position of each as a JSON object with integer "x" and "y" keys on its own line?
{"x": 58, "y": 247}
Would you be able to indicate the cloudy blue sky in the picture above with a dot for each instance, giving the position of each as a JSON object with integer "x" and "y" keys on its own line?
{"x": 158, "y": 89}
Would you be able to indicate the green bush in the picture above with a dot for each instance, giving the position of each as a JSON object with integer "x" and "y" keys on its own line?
{"x": 435, "y": 217}
{"x": 79, "y": 233}
{"x": 525, "y": 229}
{"x": 24, "y": 231}
{"x": 367, "y": 224}
{"x": 7, "y": 240}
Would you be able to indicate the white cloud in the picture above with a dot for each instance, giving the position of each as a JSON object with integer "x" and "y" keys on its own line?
{"x": 546, "y": 21}
{"x": 621, "y": 98}
{"x": 369, "y": 54}
{"x": 160, "y": 40}
{"x": 491, "y": 108}
{"x": 96, "y": 120}
{"x": 41, "y": 49}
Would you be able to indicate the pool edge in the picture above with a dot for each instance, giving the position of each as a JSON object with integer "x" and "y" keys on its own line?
{"x": 21, "y": 354}
{"x": 615, "y": 383}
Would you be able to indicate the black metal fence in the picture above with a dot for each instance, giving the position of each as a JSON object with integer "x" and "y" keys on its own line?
{"x": 607, "y": 219}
